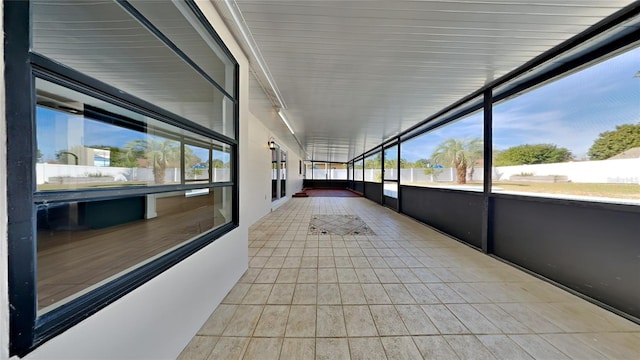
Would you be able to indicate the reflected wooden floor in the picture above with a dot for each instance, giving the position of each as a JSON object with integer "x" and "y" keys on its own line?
{"x": 72, "y": 261}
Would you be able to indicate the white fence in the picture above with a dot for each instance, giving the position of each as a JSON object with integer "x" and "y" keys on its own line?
{"x": 44, "y": 172}
{"x": 621, "y": 171}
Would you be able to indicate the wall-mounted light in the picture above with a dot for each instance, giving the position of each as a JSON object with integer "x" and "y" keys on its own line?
{"x": 272, "y": 143}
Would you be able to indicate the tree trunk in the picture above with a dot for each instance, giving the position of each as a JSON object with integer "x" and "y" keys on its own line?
{"x": 158, "y": 174}
{"x": 461, "y": 173}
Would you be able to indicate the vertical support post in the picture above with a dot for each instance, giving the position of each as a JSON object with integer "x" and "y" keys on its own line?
{"x": 487, "y": 211}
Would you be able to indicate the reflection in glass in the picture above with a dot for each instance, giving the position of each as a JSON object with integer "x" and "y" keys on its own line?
{"x": 83, "y": 244}
{"x": 283, "y": 173}
{"x": 123, "y": 53}
{"x": 221, "y": 163}
{"x": 196, "y": 164}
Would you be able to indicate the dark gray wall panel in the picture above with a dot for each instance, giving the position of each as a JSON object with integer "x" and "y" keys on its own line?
{"x": 373, "y": 191}
{"x": 325, "y": 184}
{"x": 457, "y": 213}
{"x": 391, "y": 202}
{"x": 359, "y": 186}
{"x": 591, "y": 248}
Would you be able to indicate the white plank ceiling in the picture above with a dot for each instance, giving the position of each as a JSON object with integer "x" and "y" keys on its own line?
{"x": 355, "y": 73}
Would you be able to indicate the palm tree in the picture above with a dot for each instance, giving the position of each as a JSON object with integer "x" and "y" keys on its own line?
{"x": 459, "y": 153}
{"x": 157, "y": 151}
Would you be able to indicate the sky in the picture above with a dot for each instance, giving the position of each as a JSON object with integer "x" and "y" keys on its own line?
{"x": 570, "y": 112}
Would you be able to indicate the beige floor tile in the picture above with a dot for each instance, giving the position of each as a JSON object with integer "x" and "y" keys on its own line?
{"x": 199, "y": 348}
{"x": 538, "y": 347}
{"x": 386, "y": 276}
{"x": 400, "y": 348}
{"x": 505, "y": 322}
{"x": 575, "y": 348}
{"x": 257, "y": 294}
{"x": 292, "y": 262}
{"x": 298, "y": 349}
{"x": 417, "y": 285}
{"x": 360, "y": 262}
{"x": 263, "y": 349}
{"x": 444, "y": 320}
{"x": 236, "y": 294}
{"x": 434, "y": 348}
{"x": 503, "y": 347}
{"x": 369, "y": 348}
{"x": 332, "y": 349}
{"x": 302, "y": 321}
{"x": 327, "y": 275}
{"x": 416, "y": 321}
{"x": 243, "y": 321}
{"x": 229, "y": 348}
{"x": 281, "y": 294}
{"x": 352, "y": 294}
{"x": 398, "y": 294}
{"x": 472, "y": 319}
{"x": 388, "y": 321}
{"x": 347, "y": 275}
{"x": 328, "y": 294}
{"x": 614, "y": 345}
{"x": 445, "y": 294}
{"x": 273, "y": 321}
{"x": 375, "y": 294}
{"x": 218, "y": 320}
{"x": 530, "y": 318}
{"x": 288, "y": 276}
{"x": 421, "y": 294}
{"x": 330, "y": 321}
{"x": 468, "y": 347}
{"x": 359, "y": 321}
{"x": 308, "y": 276}
{"x": 342, "y": 261}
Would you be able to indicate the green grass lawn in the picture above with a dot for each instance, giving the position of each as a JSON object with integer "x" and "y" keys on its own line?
{"x": 620, "y": 191}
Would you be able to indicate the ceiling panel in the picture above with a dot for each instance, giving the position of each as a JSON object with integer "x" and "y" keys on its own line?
{"x": 355, "y": 73}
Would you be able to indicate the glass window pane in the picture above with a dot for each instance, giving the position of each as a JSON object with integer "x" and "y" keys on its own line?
{"x": 196, "y": 164}
{"x": 357, "y": 170}
{"x": 577, "y": 137}
{"x": 221, "y": 163}
{"x": 82, "y": 245}
{"x": 85, "y": 143}
{"x": 391, "y": 189}
{"x": 178, "y": 23}
{"x": 391, "y": 163}
{"x": 337, "y": 171}
{"x": 124, "y": 54}
{"x": 450, "y": 156}
{"x": 373, "y": 168}
{"x": 320, "y": 171}
{"x": 283, "y": 173}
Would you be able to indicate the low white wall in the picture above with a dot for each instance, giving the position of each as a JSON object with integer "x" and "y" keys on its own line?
{"x": 603, "y": 171}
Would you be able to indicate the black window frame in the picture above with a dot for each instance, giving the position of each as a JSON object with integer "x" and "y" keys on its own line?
{"x": 28, "y": 329}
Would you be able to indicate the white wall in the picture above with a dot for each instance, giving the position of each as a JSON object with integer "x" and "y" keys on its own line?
{"x": 157, "y": 320}
{"x": 4, "y": 301}
{"x": 603, "y": 171}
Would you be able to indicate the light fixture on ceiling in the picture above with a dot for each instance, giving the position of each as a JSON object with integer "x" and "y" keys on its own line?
{"x": 285, "y": 120}
{"x": 272, "y": 143}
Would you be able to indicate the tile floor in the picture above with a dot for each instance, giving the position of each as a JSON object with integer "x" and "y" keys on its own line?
{"x": 407, "y": 292}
